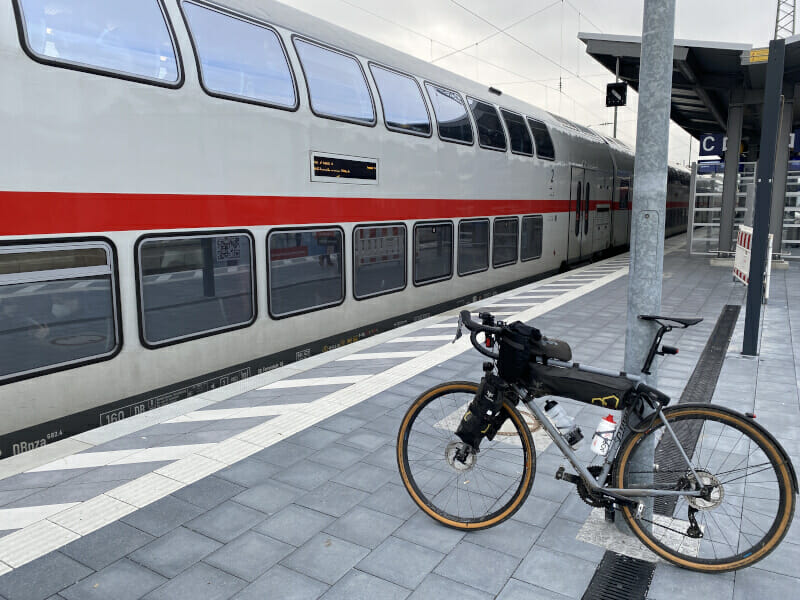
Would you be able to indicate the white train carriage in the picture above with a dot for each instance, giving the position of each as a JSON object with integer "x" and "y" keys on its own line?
{"x": 194, "y": 192}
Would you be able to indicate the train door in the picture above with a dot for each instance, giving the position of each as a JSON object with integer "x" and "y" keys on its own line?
{"x": 600, "y": 216}
{"x": 575, "y": 235}
{"x": 590, "y": 189}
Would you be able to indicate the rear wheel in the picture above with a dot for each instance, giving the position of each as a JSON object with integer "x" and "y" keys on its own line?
{"x": 748, "y": 496}
{"x": 481, "y": 491}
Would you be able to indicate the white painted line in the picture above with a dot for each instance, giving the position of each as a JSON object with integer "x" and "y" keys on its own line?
{"x": 81, "y": 285}
{"x": 145, "y": 490}
{"x": 4, "y": 568}
{"x": 161, "y": 453}
{"x": 441, "y": 326}
{"x": 17, "y": 518}
{"x": 383, "y": 355}
{"x": 312, "y": 381}
{"x": 86, "y": 460}
{"x": 420, "y": 338}
{"x": 190, "y": 469}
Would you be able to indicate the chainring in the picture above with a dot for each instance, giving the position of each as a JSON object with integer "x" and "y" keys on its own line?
{"x": 592, "y": 498}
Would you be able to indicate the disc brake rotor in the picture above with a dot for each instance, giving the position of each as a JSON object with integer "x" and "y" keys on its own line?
{"x": 714, "y": 495}
{"x": 452, "y": 450}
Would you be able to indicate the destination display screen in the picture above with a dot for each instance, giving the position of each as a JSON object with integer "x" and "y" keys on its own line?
{"x": 345, "y": 168}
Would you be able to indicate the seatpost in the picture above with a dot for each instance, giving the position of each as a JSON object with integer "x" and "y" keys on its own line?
{"x": 654, "y": 347}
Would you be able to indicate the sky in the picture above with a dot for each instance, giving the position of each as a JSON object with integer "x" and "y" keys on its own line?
{"x": 530, "y": 48}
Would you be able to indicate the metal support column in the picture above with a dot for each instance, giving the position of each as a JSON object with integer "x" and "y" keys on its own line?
{"x": 764, "y": 172}
{"x": 779, "y": 179}
{"x": 650, "y": 187}
{"x": 730, "y": 177}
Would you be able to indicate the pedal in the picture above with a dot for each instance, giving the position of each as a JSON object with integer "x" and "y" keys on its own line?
{"x": 562, "y": 475}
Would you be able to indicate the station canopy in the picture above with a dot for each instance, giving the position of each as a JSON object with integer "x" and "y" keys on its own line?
{"x": 707, "y": 77}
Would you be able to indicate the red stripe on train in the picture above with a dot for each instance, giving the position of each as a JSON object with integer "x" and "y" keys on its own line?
{"x": 30, "y": 213}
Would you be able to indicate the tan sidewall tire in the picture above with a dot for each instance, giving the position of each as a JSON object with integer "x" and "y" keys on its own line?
{"x": 527, "y": 441}
{"x": 782, "y": 472}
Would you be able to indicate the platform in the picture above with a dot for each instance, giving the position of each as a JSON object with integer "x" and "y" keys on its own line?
{"x": 284, "y": 485}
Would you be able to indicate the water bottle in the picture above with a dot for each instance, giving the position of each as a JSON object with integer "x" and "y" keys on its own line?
{"x": 565, "y": 424}
{"x": 601, "y": 440}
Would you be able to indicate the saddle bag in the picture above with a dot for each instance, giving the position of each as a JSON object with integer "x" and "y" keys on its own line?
{"x": 592, "y": 388}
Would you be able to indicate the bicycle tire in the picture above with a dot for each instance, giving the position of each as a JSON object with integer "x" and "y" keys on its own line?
{"x": 758, "y": 533}
{"x": 524, "y": 459}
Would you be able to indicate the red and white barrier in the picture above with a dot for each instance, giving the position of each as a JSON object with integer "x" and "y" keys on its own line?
{"x": 741, "y": 262}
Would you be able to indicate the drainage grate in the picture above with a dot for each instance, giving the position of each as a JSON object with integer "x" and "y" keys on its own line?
{"x": 620, "y": 577}
{"x": 700, "y": 388}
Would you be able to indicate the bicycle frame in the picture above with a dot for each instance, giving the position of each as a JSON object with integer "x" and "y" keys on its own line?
{"x": 625, "y": 495}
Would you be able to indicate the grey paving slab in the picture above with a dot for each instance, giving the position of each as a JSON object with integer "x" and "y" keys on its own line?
{"x": 175, "y": 552}
{"x": 510, "y": 537}
{"x": 556, "y": 572}
{"x": 249, "y": 472}
{"x": 519, "y": 590}
{"x": 42, "y": 578}
{"x": 671, "y": 582}
{"x": 401, "y": 562}
{"x": 122, "y": 580}
{"x": 364, "y": 526}
{"x": 391, "y": 499}
{"x": 227, "y": 521}
{"x": 493, "y": 573}
{"x": 560, "y": 535}
{"x": 288, "y": 584}
{"x": 249, "y": 555}
{"x": 106, "y": 545}
{"x": 423, "y": 530}
{"x": 325, "y": 557}
{"x": 284, "y": 454}
{"x": 332, "y": 498}
{"x": 536, "y": 511}
{"x": 209, "y": 492}
{"x": 294, "y": 524}
{"x": 39, "y": 479}
{"x": 268, "y": 498}
{"x": 436, "y": 587}
{"x": 12, "y": 495}
{"x": 367, "y": 477}
{"x": 368, "y": 440}
{"x": 163, "y": 515}
{"x": 757, "y": 583}
{"x": 118, "y": 473}
{"x": 306, "y": 474}
{"x": 199, "y": 581}
{"x": 357, "y": 585}
{"x": 384, "y": 457}
{"x": 338, "y": 456}
{"x": 315, "y": 438}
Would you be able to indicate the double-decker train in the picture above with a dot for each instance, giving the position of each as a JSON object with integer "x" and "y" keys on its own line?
{"x": 195, "y": 192}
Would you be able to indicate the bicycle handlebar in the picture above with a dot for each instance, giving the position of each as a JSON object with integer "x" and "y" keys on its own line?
{"x": 475, "y": 329}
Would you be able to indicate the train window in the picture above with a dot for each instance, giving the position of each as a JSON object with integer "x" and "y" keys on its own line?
{"x": 194, "y": 285}
{"x": 379, "y": 260}
{"x": 490, "y": 131}
{"x": 451, "y": 114}
{"x": 521, "y": 142}
{"x": 240, "y": 59}
{"x": 433, "y": 252}
{"x": 125, "y": 37}
{"x": 306, "y": 270}
{"x": 57, "y": 307}
{"x": 404, "y": 109}
{"x": 504, "y": 248}
{"x": 473, "y": 246}
{"x": 544, "y": 143}
{"x": 337, "y": 87}
{"x": 531, "y": 239}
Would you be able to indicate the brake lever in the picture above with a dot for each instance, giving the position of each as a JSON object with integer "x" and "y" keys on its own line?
{"x": 458, "y": 331}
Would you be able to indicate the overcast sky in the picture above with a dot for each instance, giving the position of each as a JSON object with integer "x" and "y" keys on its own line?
{"x": 541, "y": 44}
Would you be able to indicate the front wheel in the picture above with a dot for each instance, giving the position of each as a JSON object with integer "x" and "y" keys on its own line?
{"x": 481, "y": 491}
{"x": 747, "y": 499}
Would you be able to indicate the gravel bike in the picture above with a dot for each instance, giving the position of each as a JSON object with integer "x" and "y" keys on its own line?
{"x": 702, "y": 486}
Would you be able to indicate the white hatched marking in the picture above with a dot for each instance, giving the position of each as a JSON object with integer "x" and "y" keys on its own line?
{"x": 163, "y": 277}
{"x": 17, "y": 518}
{"x": 120, "y": 457}
{"x": 23, "y": 546}
{"x": 442, "y": 326}
{"x": 382, "y": 355}
{"x": 231, "y": 450}
{"x": 81, "y": 285}
{"x": 312, "y": 381}
{"x": 162, "y": 453}
{"x": 29, "y": 289}
{"x": 4, "y": 568}
{"x": 222, "y": 414}
{"x": 420, "y": 338}
{"x": 190, "y": 469}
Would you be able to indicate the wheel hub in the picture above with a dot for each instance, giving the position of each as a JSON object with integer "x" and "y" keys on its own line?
{"x": 460, "y": 456}
{"x": 712, "y": 491}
